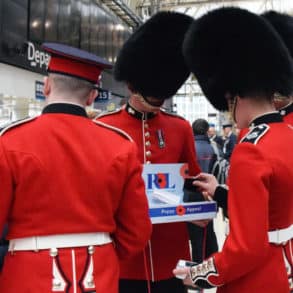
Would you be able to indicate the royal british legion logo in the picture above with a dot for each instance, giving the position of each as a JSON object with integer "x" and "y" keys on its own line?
{"x": 159, "y": 181}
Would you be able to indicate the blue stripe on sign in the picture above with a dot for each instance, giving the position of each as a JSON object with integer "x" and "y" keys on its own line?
{"x": 189, "y": 210}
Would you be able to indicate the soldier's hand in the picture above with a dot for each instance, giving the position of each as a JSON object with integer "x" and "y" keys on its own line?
{"x": 206, "y": 183}
{"x": 184, "y": 271}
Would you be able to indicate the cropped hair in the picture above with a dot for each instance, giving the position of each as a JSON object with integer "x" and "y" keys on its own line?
{"x": 200, "y": 126}
{"x": 70, "y": 85}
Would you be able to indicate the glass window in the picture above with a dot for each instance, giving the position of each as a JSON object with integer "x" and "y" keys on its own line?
{"x": 36, "y": 25}
{"x": 102, "y": 34}
{"x": 118, "y": 35}
{"x": 51, "y": 24}
{"x": 94, "y": 28}
{"x": 14, "y": 22}
{"x": 64, "y": 30}
{"x": 75, "y": 23}
{"x": 1, "y": 21}
{"x": 115, "y": 39}
{"x": 109, "y": 40}
{"x": 85, "y": 25}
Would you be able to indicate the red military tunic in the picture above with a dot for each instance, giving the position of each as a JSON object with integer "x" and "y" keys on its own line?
{"x": 161, "y": 138}
{"x": 62, "y": 173}
{"x": 260, "y": 199}
{"x": 286, "y": 112}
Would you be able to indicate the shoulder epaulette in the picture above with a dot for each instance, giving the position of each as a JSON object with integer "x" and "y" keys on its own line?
{"x": 118, "y": 130}
{"x": 109, "y": 113}
{"x": 13, "y": 124}
{"x": 254, "y": 135}
{"x": 172, "y": 114}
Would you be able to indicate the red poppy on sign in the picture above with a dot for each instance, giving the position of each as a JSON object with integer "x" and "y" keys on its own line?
{"x": 180, "y": 210}
{"x": 184, "y": 171}
{"x": 162, "y": 180}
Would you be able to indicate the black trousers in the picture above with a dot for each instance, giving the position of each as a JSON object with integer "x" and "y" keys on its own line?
{"x": 140, "y": 286}
{"x": 203, "y": 243}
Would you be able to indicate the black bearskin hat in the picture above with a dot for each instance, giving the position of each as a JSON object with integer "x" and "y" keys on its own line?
{"x": 283, "y": 24}
{"x": 232, "y": 51}
{"x": 151, "y": 60}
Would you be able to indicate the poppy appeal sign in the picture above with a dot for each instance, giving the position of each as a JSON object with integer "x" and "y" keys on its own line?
{"x": 164, "y": 189}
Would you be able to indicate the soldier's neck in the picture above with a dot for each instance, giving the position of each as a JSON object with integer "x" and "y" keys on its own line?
{"x": 138, "y": 105}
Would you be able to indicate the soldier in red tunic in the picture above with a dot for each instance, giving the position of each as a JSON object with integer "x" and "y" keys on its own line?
{"x": 71, "y": 189}
{"x": 240, "y": 63}
{"x": 152, "y": 65}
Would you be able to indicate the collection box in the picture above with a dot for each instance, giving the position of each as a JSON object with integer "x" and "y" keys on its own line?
{"x": 164, "y": 188}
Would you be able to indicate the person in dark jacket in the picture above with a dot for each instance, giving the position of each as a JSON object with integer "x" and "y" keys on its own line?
{"x": 213, "y": 137}
{"x": 204, "y": 150}
{"x": 229, "y": 140}
{"x": 203, "y": 240}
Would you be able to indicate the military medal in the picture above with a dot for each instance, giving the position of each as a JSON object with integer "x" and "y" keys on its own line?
{"x": 160, "y": 136}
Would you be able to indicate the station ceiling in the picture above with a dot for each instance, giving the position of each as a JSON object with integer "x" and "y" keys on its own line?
{"x": 143, "y": 9}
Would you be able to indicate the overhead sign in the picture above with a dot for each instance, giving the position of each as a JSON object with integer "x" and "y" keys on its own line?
{"x": 27, "y": 55}
{"x": 103, "y": 96}
{"x": 36, "y": 57}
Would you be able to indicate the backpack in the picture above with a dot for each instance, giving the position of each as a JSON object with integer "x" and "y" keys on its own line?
{"x": 220, "y": 166}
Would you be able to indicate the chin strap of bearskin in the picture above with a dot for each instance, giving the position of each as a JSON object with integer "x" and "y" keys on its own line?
{"x": 200, "y": 274}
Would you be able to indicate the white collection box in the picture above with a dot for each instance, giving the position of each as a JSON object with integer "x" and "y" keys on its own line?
{"x": 164, "y": 188}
